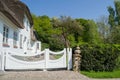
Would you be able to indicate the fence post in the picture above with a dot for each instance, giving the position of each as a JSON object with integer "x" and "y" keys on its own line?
{"x": 0, "y": 61}
{"x": 46, "y": 59}
{"x": 65, "y": 57}
{"x": 69, "y": 53}
{"x": 3, "y": 61}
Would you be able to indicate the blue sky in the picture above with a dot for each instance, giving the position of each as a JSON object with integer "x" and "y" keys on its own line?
{"x": 88, "y": 9}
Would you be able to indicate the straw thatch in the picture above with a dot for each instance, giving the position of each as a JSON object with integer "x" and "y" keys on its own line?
{"x": 15, "y": 11}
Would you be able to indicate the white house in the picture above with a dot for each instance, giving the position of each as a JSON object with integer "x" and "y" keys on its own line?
{"x": 16, "y": 28}
{"x": 18, "y": 38}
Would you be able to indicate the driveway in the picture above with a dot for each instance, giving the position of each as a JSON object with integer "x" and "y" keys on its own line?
{"x": 42, "y": 75}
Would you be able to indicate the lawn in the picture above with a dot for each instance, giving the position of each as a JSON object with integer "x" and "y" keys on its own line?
{"x": 114, "y": 74}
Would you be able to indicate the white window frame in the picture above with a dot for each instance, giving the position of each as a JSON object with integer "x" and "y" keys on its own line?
{"x": 5, "y": 35}
{"x": 15, "y": 38}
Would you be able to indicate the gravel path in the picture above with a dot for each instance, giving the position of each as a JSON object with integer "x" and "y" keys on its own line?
{"x": 42, "y": 75}
{"x": 45, "y": 75}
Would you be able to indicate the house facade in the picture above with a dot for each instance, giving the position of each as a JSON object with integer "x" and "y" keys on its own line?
{"x": 16, "y": 28}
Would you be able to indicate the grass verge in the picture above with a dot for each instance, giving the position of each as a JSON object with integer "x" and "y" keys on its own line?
{"x": 92, "y": 74}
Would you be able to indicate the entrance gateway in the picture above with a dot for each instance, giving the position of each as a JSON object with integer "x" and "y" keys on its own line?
{"x": 12, "y": 61}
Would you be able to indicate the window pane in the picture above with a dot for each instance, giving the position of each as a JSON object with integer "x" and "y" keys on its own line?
{"x": 3, "y": 39}
{"x": 4, "y": 29}
{"x": 5, "y": 34}
{"x": 37, "y": 45}
{"x": 6, "y": 40}
{"x": 7, "y": 30}
{"x": 15, "y": 38}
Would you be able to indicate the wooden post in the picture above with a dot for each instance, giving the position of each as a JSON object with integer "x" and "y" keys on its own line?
{"x": 69, "y": 53}
{"x": 46, "y": 59}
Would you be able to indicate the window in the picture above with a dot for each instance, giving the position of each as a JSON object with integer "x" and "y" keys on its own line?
{"x": 21, "y": 41}
{"x": 15, "y": 37}
{"x": 37, "y": 45}
{"x": 5, "y": 35}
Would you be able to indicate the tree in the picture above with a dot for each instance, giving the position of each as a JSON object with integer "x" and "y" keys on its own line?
{"x": 117, "y": 10}
{"x": 111, "y": 19}
{"x": 114, "y": 21}
{"x": 68, "y": 27}
{"x": 43, "y": 26}
{"x": 90, "y": 31}
{"x": 103, "y": 28}
{"x": 115, "y": 35}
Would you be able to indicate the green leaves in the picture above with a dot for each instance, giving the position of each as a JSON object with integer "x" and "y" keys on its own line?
{"x": 114, "y": 21}
{"x": 90, "y": 31}
{"x": 99, "y": 57}
{"x": 68, "y": 27}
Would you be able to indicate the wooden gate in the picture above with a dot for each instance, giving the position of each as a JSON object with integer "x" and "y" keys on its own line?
{"x": 2, "y": 61}
{"x": 15, "y": 61}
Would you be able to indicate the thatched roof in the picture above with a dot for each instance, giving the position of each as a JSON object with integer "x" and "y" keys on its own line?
{"x": 15, "y": 10}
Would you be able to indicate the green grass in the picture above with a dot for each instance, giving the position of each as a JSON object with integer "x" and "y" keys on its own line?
{"x": 114, "y": 74}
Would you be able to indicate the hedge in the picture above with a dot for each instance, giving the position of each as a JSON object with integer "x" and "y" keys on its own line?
{"x": 99, "y": 57}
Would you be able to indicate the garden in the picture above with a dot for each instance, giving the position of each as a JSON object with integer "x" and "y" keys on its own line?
{"x": 99, "y": 40}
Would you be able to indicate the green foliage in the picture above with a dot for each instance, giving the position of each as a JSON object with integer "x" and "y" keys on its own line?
{"x": 111, "y": 16}
{"x": 57, "y": 33}
{"x": 90, "y": 31}
{"x": 99, "y": 57}
{"x": 68, "y": 28}
{"x": 114, "y": 21}
{"x": 44, "y": 46}
{"x": 117, "y": 10}
{"x": 115, "y": 35}
{"x": 56, "y": 44}
{"x": 47, "y": 34}
{"x": 43, "y": 27}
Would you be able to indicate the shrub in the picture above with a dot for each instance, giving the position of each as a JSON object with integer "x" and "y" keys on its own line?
{"x": 99, "y": 57}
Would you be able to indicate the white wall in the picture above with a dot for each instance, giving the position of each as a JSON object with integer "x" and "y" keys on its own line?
{"x": 12, "y": 28}
{"x": 1, "y": 28}
{"x": 34, "y": 46}
{"x": 25, "y": 33}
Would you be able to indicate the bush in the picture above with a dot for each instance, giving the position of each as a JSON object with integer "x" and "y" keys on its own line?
{"x": 102, "y": 57}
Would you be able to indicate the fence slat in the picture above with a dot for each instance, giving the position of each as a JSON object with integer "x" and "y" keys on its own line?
{"x": 69, "y": 53}
{"x": 11, "y": 63}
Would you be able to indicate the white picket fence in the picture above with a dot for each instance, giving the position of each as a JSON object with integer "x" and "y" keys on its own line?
{"x": 2, "y": 61}
{"x": 8, "y": 62}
